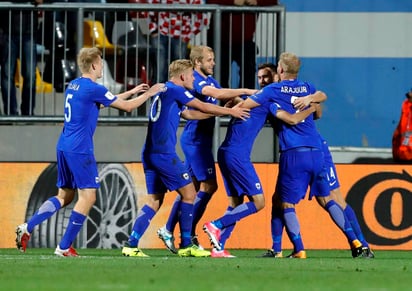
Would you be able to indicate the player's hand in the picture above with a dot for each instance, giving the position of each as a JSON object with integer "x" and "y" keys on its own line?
{"x": 240, "y": 112}
{"x": 239, "y": 2}
{"x": 302, "y": 102}
{"x": 156, "y": 88}
{"x": 140, "y": 88}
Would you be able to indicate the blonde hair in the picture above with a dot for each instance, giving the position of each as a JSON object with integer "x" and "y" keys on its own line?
{"x": 290, "y": 63}
{"x": 86, "y": 57}
{"x": 197, "y": 53}
{"x": 177, "y": 67}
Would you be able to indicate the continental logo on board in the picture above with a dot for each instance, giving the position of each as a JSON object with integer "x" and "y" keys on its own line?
{"x": 382, "y": 201}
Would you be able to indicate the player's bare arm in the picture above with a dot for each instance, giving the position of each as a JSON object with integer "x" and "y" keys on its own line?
{"x": 297, "y": 117}
{"x": 226, "y": 93}
{"x": 249, "y": 103}
{"x": 129, "y": 105}
{"x": 318, "y": 111}
{"x": 138, "y": 89}
{"x": 238, "y": 112}
{"x": 237, "y": 101}
{"x": 190, "y": 114}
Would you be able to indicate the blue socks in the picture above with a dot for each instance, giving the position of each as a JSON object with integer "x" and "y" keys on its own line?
{"x": 276, "y": 226}
{"x": 185, "y": 222}
{"x": 235, "y": 215}
{"x": 185, "y": 211}
{"x": 73, "y": 228}
{"x": 340, "y": 219}
{"x": 140, "y": 225}
{"x": 46, "y": 210}
{"x": 199, "y": 207}
{"x": 293, "y": 229}
{"x": 174, "y": 215}
{"x": 232, "y": 215}
{"x": 350, "y": 214}
{"x": 226, "y": 232}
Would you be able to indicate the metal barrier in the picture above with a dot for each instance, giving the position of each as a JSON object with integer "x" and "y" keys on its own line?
{"x": 121, "y": 32}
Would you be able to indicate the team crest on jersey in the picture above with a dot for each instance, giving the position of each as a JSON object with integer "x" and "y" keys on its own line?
{"x": 186, "y": 176}
{"x": 109, "y": 95}
{"x": 188, "y": 94}
{"x": 258, "y": 186}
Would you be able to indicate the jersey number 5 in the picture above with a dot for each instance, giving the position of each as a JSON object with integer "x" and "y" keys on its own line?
{"x": 68, "y": 108}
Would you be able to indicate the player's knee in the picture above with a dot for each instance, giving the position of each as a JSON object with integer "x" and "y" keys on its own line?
{"x": 259, "y": 202}
{"x": 155, "y": 204}
{"x": 209, "y": 186}
{"x": 286, "y": 205}
{"x": 260, "y": 205}
{"x": 323, "y": 200}
{"x": 65, "y": 196}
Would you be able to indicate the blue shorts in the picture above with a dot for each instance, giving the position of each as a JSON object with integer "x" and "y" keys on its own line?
{"x": 200, "y": 161}
{"x": 299, "y": 169}
{"x": 330, "y": 168}
{"x": 239, "y": 175}
{"x": 164, "y": 172}
{"x": 76, "y": 171}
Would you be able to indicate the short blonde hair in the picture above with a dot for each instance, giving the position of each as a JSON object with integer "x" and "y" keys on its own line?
{"x": 177, "y": 67}
{"x": 290, "y": 63}
{"x": 197, "y": 53}
{"x": 86, "y": 57}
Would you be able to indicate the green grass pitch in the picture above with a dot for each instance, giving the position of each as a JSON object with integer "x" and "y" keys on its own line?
{"x": 98, "y": 269}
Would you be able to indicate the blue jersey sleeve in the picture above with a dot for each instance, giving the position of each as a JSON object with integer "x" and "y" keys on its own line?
{"x": 273, "y": 108}
{"x": 201, "y": 82}
{"x": 182, "y": 95}
{"x": 103, "y": 96}
{"x": 258, "y": 97}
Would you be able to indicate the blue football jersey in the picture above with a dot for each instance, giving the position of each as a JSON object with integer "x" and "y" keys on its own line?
{"x": 241, "y": 134}
{"x": 83, "y": 98}
{"x": 200, "y": 131}
{"x": 282, "y": 95}
{"x": 164, "y": 118}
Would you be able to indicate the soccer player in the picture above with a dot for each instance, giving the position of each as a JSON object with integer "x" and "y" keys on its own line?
{"x": 301, "y": 154}
{"x": 77, "y": 168}
{"x": 265, "y": 76}
{"x": 162, "y": 167}
{"x": 197, "y": 142}
{"x": 239, "y": 175}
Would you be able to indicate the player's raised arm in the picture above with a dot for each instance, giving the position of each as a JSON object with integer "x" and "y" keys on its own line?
{"x": 129, "y": 105}
{"x": 226, "y": 93}
{"x": 138, "y": 89}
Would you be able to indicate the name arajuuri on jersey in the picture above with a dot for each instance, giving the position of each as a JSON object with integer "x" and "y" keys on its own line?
{"x": 294, "y": 90}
